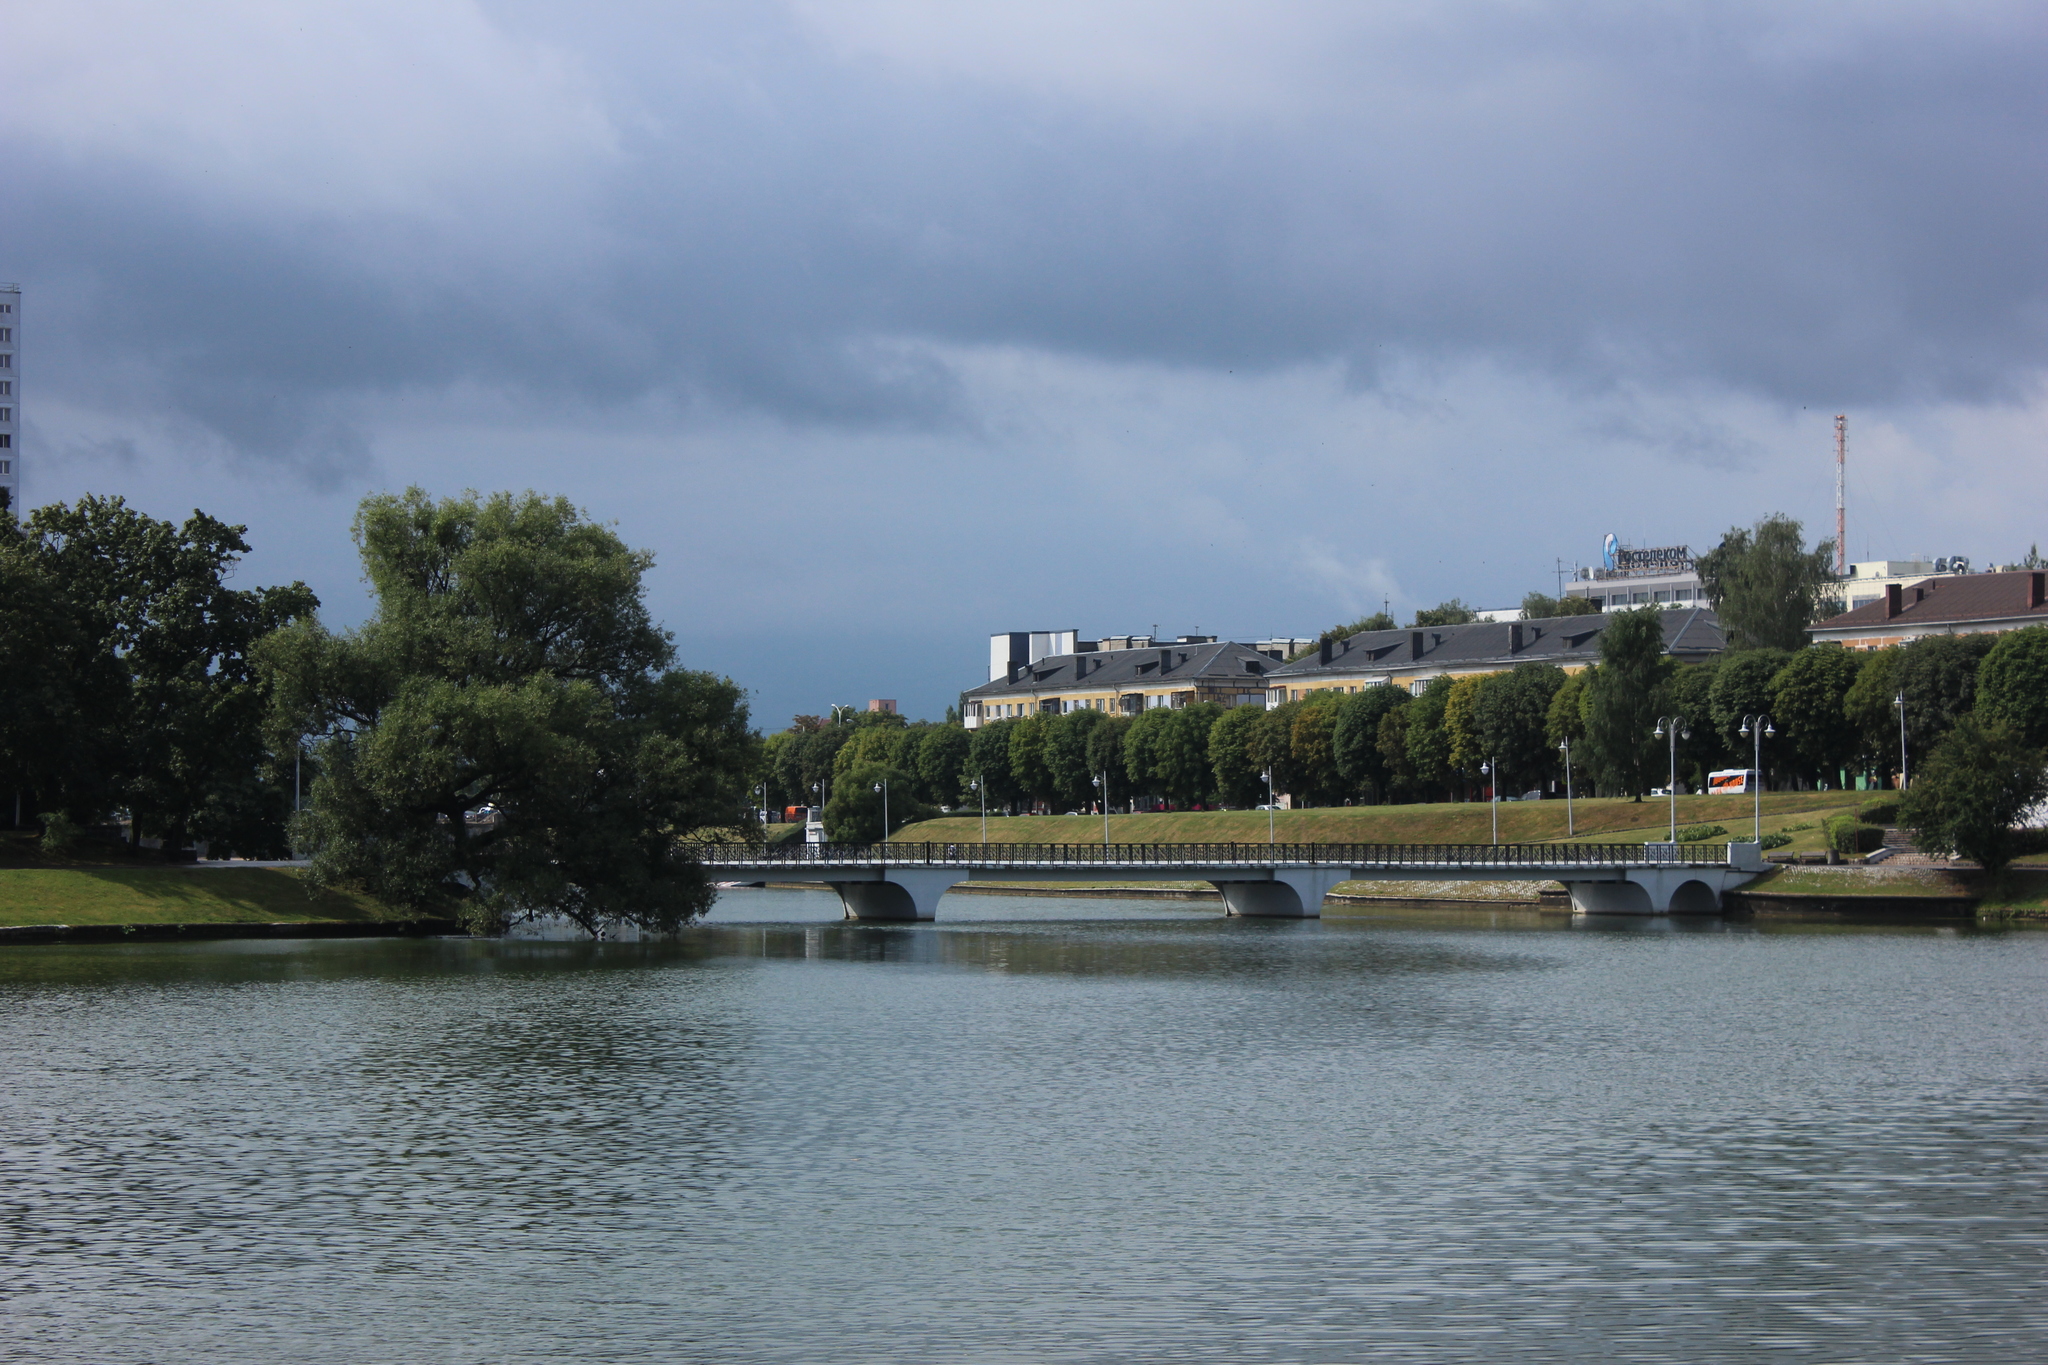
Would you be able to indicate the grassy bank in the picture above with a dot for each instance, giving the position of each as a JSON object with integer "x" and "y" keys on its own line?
{"x": 1440, "y": 823}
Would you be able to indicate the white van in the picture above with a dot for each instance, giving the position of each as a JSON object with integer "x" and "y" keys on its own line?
{"x": 1734, "y": 782}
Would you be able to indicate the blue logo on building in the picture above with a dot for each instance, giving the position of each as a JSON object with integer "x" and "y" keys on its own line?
{"x": 1610, "y": 549}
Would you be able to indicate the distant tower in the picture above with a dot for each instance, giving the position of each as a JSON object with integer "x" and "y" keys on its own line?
{"x": 10, "y": 398}
{"x": 1841, "y": 495}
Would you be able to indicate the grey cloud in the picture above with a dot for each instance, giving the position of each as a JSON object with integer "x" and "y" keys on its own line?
{"x": 1600, "y": 197}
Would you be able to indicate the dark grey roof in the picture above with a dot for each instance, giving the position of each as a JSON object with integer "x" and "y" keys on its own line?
{"x": 1211, "y": 665}
{"x": 1952, "y": 601}
{"x": 1689, "y": 633}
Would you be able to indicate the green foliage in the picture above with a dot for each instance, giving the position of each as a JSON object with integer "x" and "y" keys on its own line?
{"x": 1689, "y": 692}
{"x": 1169, "y": 756}
{"x": 1775, "y": 839}
{"x": 1461, "y": 724}
{"x": 942, "y": 764}
{"x": 1066, "y": 757}
{"x": 1973, "y": 789}
{"x": 2012, "y": 683}
{"x": 1882, "y": 813}
{"x": 1106, "y": 755}
{"x": 1541, "y": 607}
{"x": 60, "y": 831}
{"x": 151, "y": 675}
{"x": 1564, "y": 719}
{"x": 509, "y": 663}
{"x": 1451, "y": 613}
{"x": 1379, "y": 620}
{"x": 1869, "y": 710}
{"x": 1513, "y": 718}
{"x": 1356, "y": 741}
{"x": 988, "y": 762}
{"x": 1809, "y": 701}
{"x": 1938, "y": 674}
{"x": 1695, "y": 834}
{"x": 1742, "y": 687}
{"x": 854, "y": 814}
{"x": 1625, "y": 692}
{"x": 1847, "y": 837}
{"x": 1028, "y": 770}
{"x": 1312, "y": 749}
{"x": 1240, "y": 780}
{"x": 1765, "y": 587}
{"x": 1427, "y": 744}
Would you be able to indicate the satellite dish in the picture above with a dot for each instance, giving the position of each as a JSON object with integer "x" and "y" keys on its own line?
{"x": 1610, "y": 549}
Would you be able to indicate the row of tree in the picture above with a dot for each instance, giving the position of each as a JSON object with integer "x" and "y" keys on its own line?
{"x": 505, "y": 735}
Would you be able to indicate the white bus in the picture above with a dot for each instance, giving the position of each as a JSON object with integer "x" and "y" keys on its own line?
{"x": 1734, "y": 782}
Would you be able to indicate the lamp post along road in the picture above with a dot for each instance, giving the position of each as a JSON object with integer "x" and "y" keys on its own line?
{"x": 981, "y": 796}
{"x": 1900, "y": 702}
{"x": 1757, "y": 727}
{"x": 1676, "y": 727}
{"x": 1570, "y": 828}
{"x": 883, "y": 788}
{"x": 1269, "y": 805}
{"x": 1101, "y": 782}
{"x": 1490, "y": 770}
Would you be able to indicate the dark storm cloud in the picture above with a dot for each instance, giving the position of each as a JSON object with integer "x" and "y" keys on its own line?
{"x": 1692, "y": 195}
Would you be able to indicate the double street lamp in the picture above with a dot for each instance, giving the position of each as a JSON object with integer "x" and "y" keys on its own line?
{"x": 1756, "y": 727}
{"x": 1676, "y": 727}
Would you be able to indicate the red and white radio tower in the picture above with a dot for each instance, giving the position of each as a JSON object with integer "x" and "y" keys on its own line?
{"x": 1841, "y": 490}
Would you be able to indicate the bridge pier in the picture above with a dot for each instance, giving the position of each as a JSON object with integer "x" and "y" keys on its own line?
{"x": 1655, "y": 891}
{"x": 1290, "y": 893}
{"x": 905, "y": 893}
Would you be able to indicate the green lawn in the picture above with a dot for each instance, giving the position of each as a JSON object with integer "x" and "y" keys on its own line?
{"x": 1440, "y": 823}
{"x": 172, "y": 895}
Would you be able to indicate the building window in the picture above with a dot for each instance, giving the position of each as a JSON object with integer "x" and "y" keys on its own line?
{"x": 6, "y": 387}
{"x": 6, "y": 441}
{"x": 6, "y": 362}
{"x": 6, "y": 334}
{"x": 6, "y": 466}
{"x": 6, "y": 414}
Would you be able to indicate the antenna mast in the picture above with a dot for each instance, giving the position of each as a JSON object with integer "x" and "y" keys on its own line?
{"x": 1841, "y": 490}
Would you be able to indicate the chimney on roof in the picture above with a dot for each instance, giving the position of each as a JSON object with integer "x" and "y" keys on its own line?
{"x": 1894, "y": 600}
{"x": 2037, "y": 590}
{"x": 1323, "y": 651}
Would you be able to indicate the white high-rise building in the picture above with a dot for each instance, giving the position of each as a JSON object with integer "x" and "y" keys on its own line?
{"x": 10, "y": 397}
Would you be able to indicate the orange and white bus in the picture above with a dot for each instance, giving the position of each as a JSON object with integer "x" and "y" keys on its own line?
{"x": 1734, "y": 782}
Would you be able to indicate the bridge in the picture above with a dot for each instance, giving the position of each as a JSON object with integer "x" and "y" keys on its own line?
{"x": 904, "y": 881}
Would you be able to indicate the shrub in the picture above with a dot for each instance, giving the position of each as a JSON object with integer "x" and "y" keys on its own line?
{"x": 1693, "y": 834}
{"x": 1775, "y": 839}
{"x": 59, "y": 833}
{"x": 1847, "y": 837}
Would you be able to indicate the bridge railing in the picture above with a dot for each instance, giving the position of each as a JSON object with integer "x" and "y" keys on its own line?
{"x": 1215, "y": 855}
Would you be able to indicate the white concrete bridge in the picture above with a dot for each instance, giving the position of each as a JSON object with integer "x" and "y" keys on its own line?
{"x": 904, "y": 881}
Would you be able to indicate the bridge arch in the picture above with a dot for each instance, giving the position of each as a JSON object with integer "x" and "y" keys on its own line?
{"x": 1695, "y": 897}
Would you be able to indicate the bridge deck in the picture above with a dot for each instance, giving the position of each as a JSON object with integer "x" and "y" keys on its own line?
{"x": 1520, "y": 860}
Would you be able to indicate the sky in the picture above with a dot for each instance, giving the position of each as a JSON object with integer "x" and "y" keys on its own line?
{"x": 887, "y": 326}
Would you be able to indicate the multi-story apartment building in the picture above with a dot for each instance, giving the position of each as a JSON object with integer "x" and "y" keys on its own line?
{"x": 10, "y": 396}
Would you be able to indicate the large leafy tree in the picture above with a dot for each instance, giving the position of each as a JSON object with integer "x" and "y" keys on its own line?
{"x": 1870, "y": 707}
{"x": 988, "y": 762}
{"x": 1742, "y": 687}
{"x": 1311, "y": 744}
{"x": 1451, "y": 613}
{"x": 1427, "y": 741}
{"x": 1765, "y": 586}
{"x": 1981, "y": 778}
{"x": 1513, "y": 711}
{"x": 165, "y": 705}
{"x": 1809, "y": 697}
{"x": 2012, "y": 683}
{"x": 1689, "y": 693}
{"x": 942, "y": 762}
{"x": 1066, "y": 757}
{"x": 1240, "y": 781}
{"x": 1938, "y": 674}
{"x": 1106, "y": 756}
{"x": 510, "y": 667}
{"x": 1356, "y": 741}
{"x": 1625, "y": 692}
{"x": 1537, "y": 606}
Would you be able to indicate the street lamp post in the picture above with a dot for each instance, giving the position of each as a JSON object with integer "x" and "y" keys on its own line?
{"x": 1490, "y": 771}
{"x": 1101, "y": 783}
{"x": 981, "y": 796}
{"x": 1756, "y": 727}
{"x": 1571, "y": 828}
{"x": 883, "y": 788}
{"x": 1269, "y": 805}
{"x": 1676, "y": 727}
{"x": 1900, "y": 702}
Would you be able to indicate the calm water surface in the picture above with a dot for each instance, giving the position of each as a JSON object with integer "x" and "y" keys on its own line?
{"x": 1036, "y": 1131}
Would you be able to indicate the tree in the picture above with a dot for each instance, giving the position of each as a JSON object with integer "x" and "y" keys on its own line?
{"x": 48, "y": 753}
{"x": 2012, "y": 684}
{"x": 1428, "y": 745}
{"x": 854, "y": 814}
{"x": 1538, "y": 606}
{"x": 1066, "y": 757}
{"x": 1356, "y": 741}
{"x": 1269, "y": 749}
{"x": 1978, "y": 783}
{"x": 1765, "y": 587}
{"x": 1028, "y": 770}
{"x": 1451, "y": 613}
{"x": 505, "y": 736}
{"x": 1513, "y": 714}
{"x": 1239, "y": 780}
{"x": 1809, "y": 697}
{"x": 1938, "y": 674}
{"x": 1461, "y": 724}
{"x": 1742, "y": 687}
{"x": 1181, "y": 758}
{"x": 1869, "y": 708}
{"x": 942, "y": 763}
{"x": 1688, "y": 692}
{"x": 1311, "y": 744}
{"x": 1379, "y": 620}
{"x": 174, "y": 711}
{"x": 1625, "y": 693}
{"x": 1106, "y": 756}
{"x": 988, "y": 762}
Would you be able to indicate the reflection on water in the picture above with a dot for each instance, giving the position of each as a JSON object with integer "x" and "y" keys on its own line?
{"x": 1038, "y": 1130}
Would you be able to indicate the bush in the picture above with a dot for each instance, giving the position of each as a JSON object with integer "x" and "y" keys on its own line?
{"x": 1693, "y": 834}
{"x": 1848, "y": 837}
{"x": 1882, "y": 813}
{"x": 1775, "y": 839}
{"x": 59, "y": 833}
